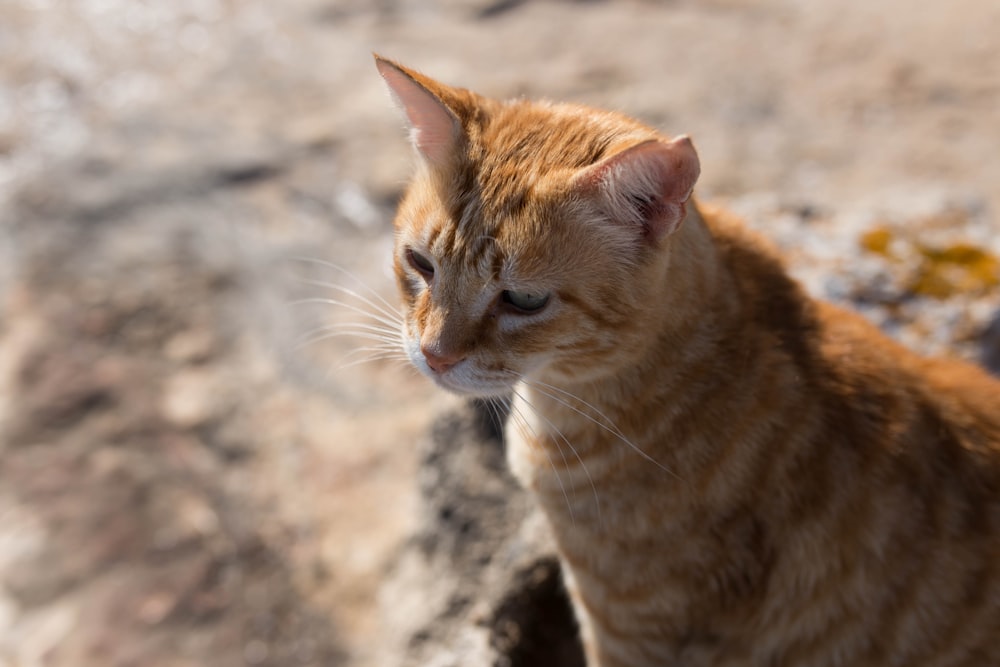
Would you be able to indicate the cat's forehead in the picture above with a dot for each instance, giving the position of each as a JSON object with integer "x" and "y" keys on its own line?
{"x": 506, "y": 207}
{"x": 526, "y": 154}
{"x": 526, "y": 141}
{"x": 493, "y": 242}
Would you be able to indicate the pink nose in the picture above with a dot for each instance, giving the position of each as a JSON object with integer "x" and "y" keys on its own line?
{"x": 439, "y": 362}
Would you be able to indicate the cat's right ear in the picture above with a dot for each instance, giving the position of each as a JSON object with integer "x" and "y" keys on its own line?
{"x": 435, "y": 130}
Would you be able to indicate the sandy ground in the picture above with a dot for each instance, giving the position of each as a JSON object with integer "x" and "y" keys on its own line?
{"x": 186, "y": 478}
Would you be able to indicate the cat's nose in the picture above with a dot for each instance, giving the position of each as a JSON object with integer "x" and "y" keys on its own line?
{"x": 440, "y": 362}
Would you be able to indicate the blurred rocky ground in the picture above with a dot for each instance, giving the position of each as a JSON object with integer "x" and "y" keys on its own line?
{"x": 193, "y": 469}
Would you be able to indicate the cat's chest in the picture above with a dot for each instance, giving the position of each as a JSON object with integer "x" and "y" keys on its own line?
{"x": 594, "y": 480}
{"x": 553, "y": 450}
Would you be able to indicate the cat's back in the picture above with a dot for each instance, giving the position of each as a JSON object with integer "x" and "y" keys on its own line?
{"x": 925, "y": 433}
{"x": 896, "y": 480}
{"x": 933, "y": 419}
{"x": 845, "y": 355}
{"x": 922, "y": 419}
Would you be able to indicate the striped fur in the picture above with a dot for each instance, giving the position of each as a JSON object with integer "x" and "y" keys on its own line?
{"x": 736, "y": 474}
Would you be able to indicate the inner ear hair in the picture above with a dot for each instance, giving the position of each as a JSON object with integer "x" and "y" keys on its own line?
{"x": 645, "y": 185}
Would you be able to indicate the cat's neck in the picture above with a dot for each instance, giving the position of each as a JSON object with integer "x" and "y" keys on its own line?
{"x": 692, "y": 291}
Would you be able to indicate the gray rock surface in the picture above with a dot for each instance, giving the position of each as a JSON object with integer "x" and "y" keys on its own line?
{"x": 991, "y": 346}
{"x": 478, "y": 582}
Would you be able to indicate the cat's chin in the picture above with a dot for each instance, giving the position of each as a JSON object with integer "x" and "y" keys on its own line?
{"x": 473, "y": 389}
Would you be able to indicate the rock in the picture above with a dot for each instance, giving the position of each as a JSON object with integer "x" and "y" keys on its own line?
{"x": 191, "y": 398}
{"x": 990, "y": 357}
{"x": 192, "y": 346}
{"x": 478, "y": 584}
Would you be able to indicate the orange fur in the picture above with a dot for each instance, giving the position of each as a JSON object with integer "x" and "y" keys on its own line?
{"x": 735, "y": 473}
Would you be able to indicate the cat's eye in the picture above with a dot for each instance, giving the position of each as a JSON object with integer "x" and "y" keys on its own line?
{"x": 420, "y": 263}
{"x": 525, "y": 302}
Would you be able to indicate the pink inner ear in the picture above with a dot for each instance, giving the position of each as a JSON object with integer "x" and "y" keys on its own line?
{"x": 647, "y": 184}
{"x": 434, "y": 128}
{"x": 681, "y": 168}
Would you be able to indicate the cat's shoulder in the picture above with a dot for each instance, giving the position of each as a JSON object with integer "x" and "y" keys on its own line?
{"x": 845, "y": 347}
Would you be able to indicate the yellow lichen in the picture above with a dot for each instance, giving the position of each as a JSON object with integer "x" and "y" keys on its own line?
{"x": 938, "y": 272}
{"x": 961, "y": 268}
{"x": 877, "y": 240}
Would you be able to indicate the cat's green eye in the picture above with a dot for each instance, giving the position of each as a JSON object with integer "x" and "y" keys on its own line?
{"x": 525, "y": 302}
{"x": 420, "y": 263}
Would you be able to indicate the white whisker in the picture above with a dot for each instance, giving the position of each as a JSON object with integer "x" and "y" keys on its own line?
{"x": 378, "y": 310}
{"x": 375, "y": 354}
{"x": 351, "y": 329}
{"x": 353, "y": 276}
{"x": 498, "y": 406}
{"x": 590, "y": 406}
{"x": 386, "y": 349}
{"x": 610, "y": 427}
{"x": 390, "y": 322}
{"x": 522, "y": 423}
{"x": 383, "y": 331}
{"x": 562, "y": 436}
{"x": 379, "y": 328}
{"x": 387, "y": 343}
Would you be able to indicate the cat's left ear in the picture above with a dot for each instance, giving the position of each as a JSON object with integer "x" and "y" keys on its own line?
{"x": 646, "y": 185}
{"x": 434, "y": 128}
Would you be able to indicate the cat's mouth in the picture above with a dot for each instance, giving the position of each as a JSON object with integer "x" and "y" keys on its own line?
{"x": 464, "y": 380}
{"x": 477, "y": 387}
{"x": 465, "y": 377}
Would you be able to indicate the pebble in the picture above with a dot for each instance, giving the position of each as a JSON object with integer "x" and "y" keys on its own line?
{"x": 191, "y": 398}
{"x": 192, "y": 346}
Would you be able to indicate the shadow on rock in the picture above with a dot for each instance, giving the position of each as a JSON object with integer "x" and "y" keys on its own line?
{"x": 478, "y": 584}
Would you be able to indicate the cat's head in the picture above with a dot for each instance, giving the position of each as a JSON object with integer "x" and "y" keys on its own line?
{"x": 533, "y": 236}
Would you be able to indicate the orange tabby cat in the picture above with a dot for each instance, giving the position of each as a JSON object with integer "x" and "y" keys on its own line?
{"x": 735, "y": 473}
